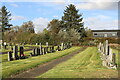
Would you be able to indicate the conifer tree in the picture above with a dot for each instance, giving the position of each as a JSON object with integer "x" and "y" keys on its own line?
{"x": 72, "y": 20}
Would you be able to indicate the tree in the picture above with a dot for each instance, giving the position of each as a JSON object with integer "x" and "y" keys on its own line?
{"x": 72, "y": 20}
{"x": 5, "y": 18}
{"x": 28, "y": 26}
{"x": 54, "y": 27}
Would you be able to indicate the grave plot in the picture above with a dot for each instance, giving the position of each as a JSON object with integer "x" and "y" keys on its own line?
{"x": 16, "y": 66}
{"x": 86, "y": 64}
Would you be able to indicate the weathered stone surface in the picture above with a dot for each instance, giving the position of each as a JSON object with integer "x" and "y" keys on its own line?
{"x": 62, "y": 46}
{"x": 114, "y": 59}
{"x": 41, "y": 51}
{"x": 47, "y": 44}
{"x": 10, "y": 58}
{"x": 108, "y": 58}
{"x": 15, "y": 52}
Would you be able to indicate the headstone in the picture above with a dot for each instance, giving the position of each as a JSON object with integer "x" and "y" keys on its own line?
{"x": 52, "y": 48}
{"x": 15, "y": 52}
{"x": 10, "y": 47}
{"x": 37, "y": 51}
{"x": 47, "y": 50}
{"x": 21, "y": 51}
{"x": 34, "y": 52}
{"x": 10, "y": 56}
{"x": 47, "y": 44}
{"x": 110, "y": 55}
{"x": 36, "y": 43}
{"x": 114, "y": 59}
{"x": 44, "y": 51}
{"x": 106, "y": 47}
{"x": 41, "y": 49}
{"x": 108, "y": 52}
{"x": 62, "y": 46}
{"x": 58, "y": 48}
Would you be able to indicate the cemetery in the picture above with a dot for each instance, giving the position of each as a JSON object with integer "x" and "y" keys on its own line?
{"x": 65, "y": 48}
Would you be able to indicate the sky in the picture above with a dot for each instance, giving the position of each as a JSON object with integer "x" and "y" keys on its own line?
{"x": 97, "y": 14}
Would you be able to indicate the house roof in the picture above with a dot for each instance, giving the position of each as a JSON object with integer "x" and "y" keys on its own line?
{"x": 105, "y": 30}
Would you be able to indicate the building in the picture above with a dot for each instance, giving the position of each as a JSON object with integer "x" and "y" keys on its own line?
{"x": 106, "y": 33}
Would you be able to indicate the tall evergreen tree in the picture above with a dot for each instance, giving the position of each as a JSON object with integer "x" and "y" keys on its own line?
{"x": 5, "y": 18}
{"x": 4, "y": 21}
{"x": 72, "y": 20}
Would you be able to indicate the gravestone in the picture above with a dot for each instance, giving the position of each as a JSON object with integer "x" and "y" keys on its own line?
{"x": 110, "y": 55}
{"x": 5, "y": 45}
{"x": 40, "y": 49}
{"x": 108, "y": 52}
{"x": 47, "y": 44}
{"x": 106, "y": 47}
{"x": 21, "y": 52}
{"x": 36, "y": 43}
{"x": 62, "y": 46}
{"x": 99, "y": 47}
{"x": 114, "y": 59}
{"x": 52, "y": 48}
{"x": 15, "y": 52}
{"x": 44, "y": 51}
{"x": 11, "y": 48}
{"x": 37, "y": 51}
{"x": 10, "y": 56}
{"x": 33, "y": 52}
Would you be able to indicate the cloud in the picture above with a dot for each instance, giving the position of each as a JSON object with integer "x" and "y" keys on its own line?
{"x": 98, "y": 5}
{"x": 101, "y": 22}
{"x": 18, "y": 18}
{"x": 55, "y": 16}
{"x": 40, "y": 24}
{"x": 59, "y": 1}
{"x": 14, "y": 5}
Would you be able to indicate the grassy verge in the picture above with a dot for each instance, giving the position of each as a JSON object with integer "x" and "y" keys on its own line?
{"x": 86, "y": 64}
{"x": 13, "y": 67}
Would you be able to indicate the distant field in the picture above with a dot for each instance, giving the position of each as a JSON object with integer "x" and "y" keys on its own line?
{"x": 86, "y": 64}
{"x": 13, "y": 67}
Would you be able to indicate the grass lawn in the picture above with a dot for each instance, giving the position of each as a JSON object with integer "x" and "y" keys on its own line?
{"x": 86, "y": 64}
{"x": 13, "y": 67}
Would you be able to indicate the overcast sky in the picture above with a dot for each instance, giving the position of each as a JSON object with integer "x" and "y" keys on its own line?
{"x": 98, "y": 14}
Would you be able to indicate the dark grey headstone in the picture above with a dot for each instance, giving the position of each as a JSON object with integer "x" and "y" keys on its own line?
{"x": 21, "y": 51}
{"x": 34, "y": 52}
